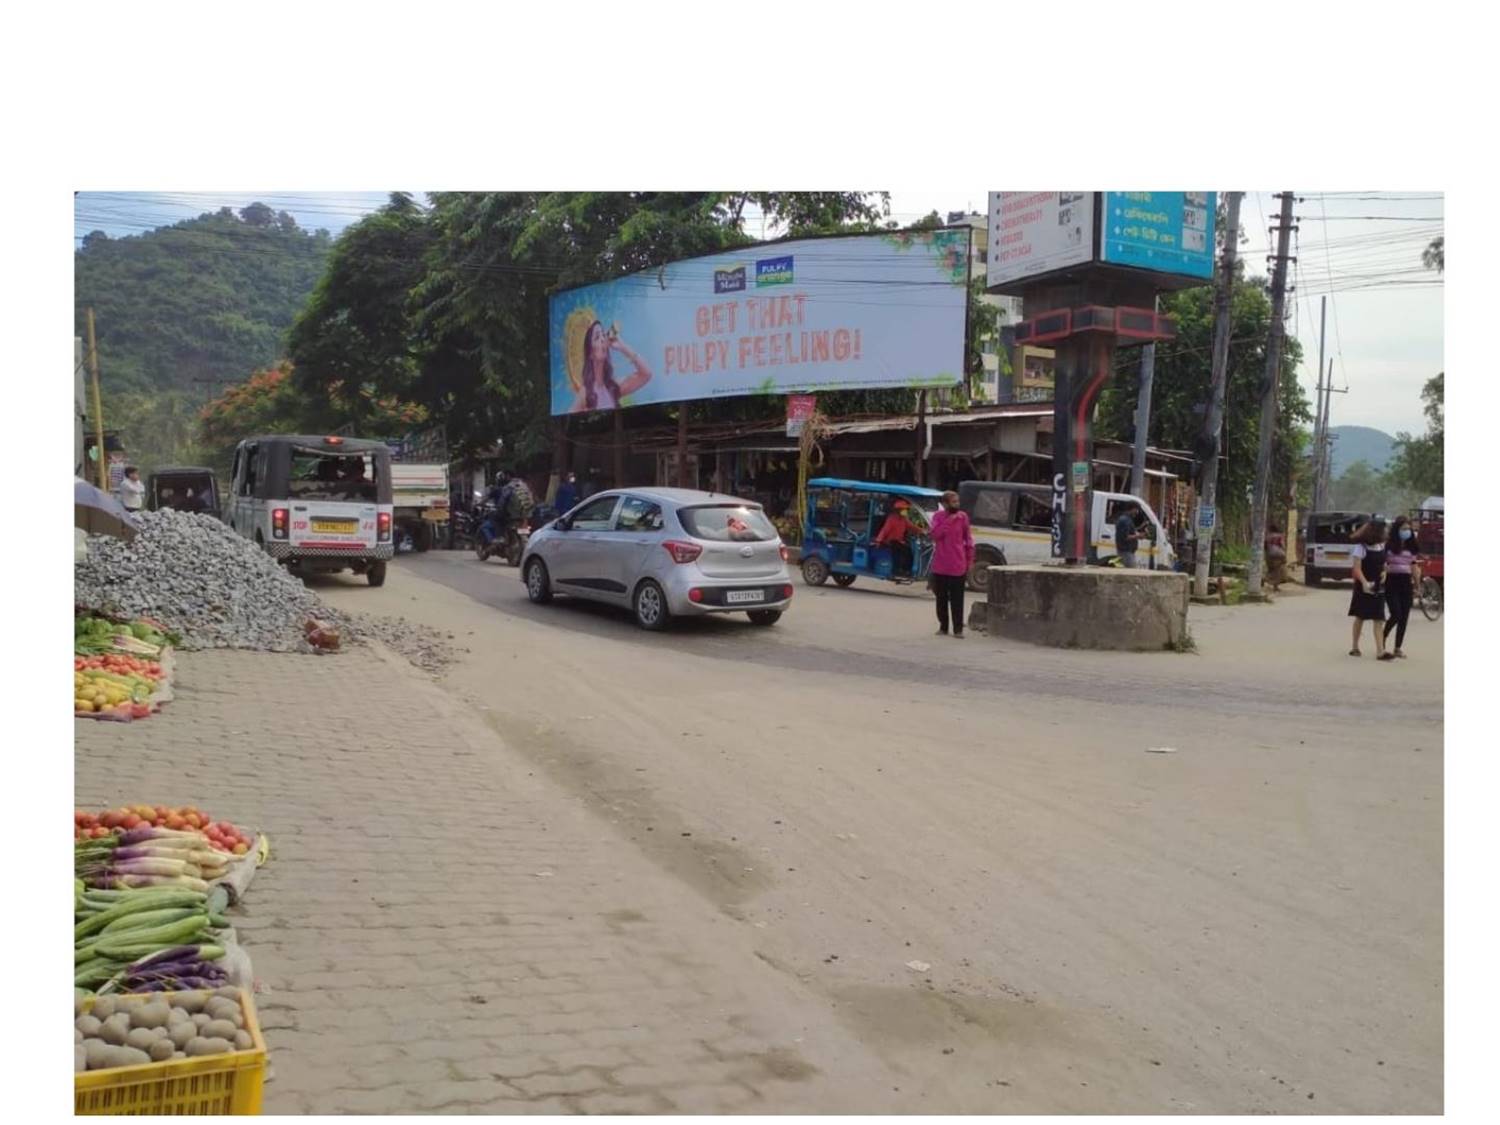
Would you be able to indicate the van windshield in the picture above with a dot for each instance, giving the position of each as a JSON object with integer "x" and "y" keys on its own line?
{"x": 317, "y": 475}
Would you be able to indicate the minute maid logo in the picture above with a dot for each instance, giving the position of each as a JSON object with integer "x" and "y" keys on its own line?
{"x": 730, "y": 279}
{"x": 773, "y": 271}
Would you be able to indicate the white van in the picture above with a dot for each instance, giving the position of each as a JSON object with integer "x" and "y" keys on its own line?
{"x": 315, "y": 503}
{"x": 1012, "y": 526}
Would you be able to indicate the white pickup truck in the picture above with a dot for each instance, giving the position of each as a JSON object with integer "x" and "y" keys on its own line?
{"x": 420, "y": 495}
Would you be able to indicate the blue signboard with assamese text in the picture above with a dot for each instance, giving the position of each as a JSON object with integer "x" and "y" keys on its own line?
{"x": 1163, "y": 231}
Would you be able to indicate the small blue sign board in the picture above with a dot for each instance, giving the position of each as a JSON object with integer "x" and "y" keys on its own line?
{"x": 1163, "y": 231}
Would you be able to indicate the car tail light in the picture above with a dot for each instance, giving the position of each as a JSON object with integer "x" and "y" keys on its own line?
{"x": 682, "y": 552}
{"x": 278, "y": 523}
{"x": 383, "y": 526}
{"x": 695, "y": 595}
{"x": 786, "y": 591}
{"x": 786, "y": 553}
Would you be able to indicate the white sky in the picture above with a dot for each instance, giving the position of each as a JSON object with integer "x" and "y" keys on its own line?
{"x": 1385, "y": 315}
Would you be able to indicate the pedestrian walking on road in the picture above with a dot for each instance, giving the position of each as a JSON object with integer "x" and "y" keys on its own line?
{"x": 1403, "y": 575}
{"x": 952, "y": 556}
{"x": 1368, "y": 572}
{"x": 567, "y": 494}
{"x": 130, "y": 490}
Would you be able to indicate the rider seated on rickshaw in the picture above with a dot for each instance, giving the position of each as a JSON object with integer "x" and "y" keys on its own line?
{"x": 894, "y": 533}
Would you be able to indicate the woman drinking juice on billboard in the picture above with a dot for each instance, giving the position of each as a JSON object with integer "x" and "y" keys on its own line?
{"x": 598, "y": 388}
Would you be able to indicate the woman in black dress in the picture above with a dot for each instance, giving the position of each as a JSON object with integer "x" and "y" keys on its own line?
{"x": 1368, "y": 572}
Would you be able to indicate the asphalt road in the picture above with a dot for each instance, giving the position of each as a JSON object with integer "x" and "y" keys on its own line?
{"x": 974, "y": 853}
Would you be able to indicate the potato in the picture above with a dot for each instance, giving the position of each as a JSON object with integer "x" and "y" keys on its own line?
{"x": 80, "y": 1058}
{"x": 88, "y": 1024}
{"x": 142, "y": 1037}
{"x": 219, "y": 1029}
{"x": 77, "y": 1036}
{"x": 203, "y": 1046}
{"x": 151, "y": 1014}
{"x": 222, "y": 1009}
{"x": 161, "y": 1050}
{"x": 181, "y": 1033}
{"x": 115, "y": 1029}
{"x": 201, "y": 1019}
{"x": 189, "y": 1001}
{"x": 176, "y": 1016}
{"x": 93, "y": 1050}
{"x": 242, "y": 1040}
{"x": 104, "y": 1007}
{"x": 120, "y": 1056}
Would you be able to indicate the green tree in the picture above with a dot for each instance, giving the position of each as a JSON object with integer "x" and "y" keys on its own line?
{"x": 1418, "y": 462}
{"x": 1181, "y": 391}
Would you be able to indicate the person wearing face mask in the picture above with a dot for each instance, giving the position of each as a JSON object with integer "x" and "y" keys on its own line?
{"x": 952, "y": 556}
{"x": 1403, "y": 574}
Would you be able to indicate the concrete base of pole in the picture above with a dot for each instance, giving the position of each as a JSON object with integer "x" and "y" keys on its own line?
{"x": 1088, "y": 607}
{"x": 1261, "y": 597}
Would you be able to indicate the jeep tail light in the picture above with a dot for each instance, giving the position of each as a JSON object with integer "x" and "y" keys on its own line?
{"x": 278, "y": 523}
{"x": 786, "y": 553}
{"x": 682, "y": 552}
{"x": 383, "y": 526}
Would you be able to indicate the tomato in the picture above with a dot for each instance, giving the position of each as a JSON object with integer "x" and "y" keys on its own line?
{"x": 240, "y": 848}
{"x": 131, "y": 821}
{"x": 101, "y": 832}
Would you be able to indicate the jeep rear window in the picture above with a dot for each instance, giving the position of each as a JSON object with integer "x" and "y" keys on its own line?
{"x": 727, "y": 524}
{"x": 316, "y": 475}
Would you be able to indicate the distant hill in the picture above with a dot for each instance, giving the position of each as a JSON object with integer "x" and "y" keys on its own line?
{"x": 1361, "y": 443}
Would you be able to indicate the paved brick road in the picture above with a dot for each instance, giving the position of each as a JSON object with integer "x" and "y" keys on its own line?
{"x": 441, "y": 930}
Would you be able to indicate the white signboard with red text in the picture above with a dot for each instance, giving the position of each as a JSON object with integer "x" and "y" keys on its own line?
{"x": 1037, "y": 232}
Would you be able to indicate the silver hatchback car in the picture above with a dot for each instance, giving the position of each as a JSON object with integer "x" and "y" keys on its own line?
{"x": 663, "y": 553}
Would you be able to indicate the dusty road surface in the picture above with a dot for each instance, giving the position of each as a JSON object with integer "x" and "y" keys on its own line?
{"x": 966, "y": 853}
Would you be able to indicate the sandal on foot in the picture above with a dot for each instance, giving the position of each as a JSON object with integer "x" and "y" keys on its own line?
{"x": 1354, "y": 652}
{"x": 1400, "y": 655}
{"x": 1386, "y": 656}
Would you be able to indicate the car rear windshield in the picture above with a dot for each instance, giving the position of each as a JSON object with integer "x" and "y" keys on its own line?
{"x": 727, "y": 524}
{"x": 317, "y": 475}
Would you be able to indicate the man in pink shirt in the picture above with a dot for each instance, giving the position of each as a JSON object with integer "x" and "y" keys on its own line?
{"x": 952, "y": 556}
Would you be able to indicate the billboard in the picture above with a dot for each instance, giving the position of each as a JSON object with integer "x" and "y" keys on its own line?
{"x": 805, "y": 315}
{"x": 1163, "y": 231}
{"x": 1037, "y": 232}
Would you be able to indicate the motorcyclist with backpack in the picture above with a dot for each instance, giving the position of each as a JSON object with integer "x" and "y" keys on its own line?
{"x": 510, "y": 503}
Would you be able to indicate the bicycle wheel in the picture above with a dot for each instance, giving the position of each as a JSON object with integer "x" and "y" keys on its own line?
{"x": 1430, "y": 598}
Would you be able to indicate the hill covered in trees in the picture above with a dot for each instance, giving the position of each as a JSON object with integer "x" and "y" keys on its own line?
{"x": 181, "y": 309}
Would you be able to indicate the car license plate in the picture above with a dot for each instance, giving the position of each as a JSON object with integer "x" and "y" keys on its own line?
{"x": 740, "y": 597}
{"x": 337, "y": 527}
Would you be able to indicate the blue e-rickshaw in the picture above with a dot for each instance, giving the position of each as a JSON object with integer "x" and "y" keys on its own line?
{"x": 843, "y": 520}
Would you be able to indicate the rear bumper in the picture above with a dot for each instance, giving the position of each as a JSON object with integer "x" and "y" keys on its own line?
{"x": 714, "y": 598}
{"x": 281, "y": 551}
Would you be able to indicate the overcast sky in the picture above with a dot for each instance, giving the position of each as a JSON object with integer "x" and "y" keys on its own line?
{"x": 1362, "y": 248}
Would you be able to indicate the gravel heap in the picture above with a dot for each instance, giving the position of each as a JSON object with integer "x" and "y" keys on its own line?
{"x": 196, "y": 576}
{"x": 216, "y": 589}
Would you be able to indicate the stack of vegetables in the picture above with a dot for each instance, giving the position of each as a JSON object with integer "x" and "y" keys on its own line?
{"x": 148, "y": 856}
{"x": 131, "y": 1031}
{"x": 117, "y": 668}
{"x": 221, "y": 836}
{"x": 146, "y": 940}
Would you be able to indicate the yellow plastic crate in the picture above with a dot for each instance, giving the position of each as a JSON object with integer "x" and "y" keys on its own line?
{"x": 217, "y": 1084}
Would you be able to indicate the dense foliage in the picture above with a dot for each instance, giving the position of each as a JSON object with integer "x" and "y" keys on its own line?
{"x": 182, "y": 309}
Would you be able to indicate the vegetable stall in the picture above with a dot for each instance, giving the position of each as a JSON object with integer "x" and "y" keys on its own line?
{"x": 122, "y": 670}
{"x": 164, "y": 1021}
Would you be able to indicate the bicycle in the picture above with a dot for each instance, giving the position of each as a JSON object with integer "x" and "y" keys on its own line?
{"x": 1430, "y": 598}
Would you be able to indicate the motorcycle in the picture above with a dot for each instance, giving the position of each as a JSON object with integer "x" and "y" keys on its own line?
{"x": 511, "y": 546}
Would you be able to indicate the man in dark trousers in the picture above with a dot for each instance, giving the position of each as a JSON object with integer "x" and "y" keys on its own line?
{"x": 1127, "y": 538}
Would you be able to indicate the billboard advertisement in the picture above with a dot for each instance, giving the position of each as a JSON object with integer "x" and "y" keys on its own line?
{"x": 805, "y": 315}
{"x": 1163, "y": 231}
{"x": 1037, "y": 232}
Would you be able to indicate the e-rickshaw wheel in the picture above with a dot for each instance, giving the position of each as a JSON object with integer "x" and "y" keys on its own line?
{"x": 814, "y": 571}
{"x": 844, "y": 580}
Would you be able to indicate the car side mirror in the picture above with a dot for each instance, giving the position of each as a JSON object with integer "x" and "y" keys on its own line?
{"x": 562, "y": 523}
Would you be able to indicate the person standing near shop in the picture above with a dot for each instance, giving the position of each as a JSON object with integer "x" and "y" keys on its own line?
{"x": 567, "y": 495}
{"x": 1403, "y": 575}
{"x": 130, "y": 491}
{"x": 1368, "y": 572}
{"x": 952, "y": 556}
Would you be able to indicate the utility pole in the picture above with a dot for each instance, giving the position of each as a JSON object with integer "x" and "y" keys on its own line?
{"x": 1268, "y": 401}
{"x": 1142, "y": 421}
{"x": 98, "y": 407}
{"x": 1320, "y": 423}
{"x": 1213, "y": 422}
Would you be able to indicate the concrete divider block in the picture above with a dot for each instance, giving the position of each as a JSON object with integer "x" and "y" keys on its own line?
{"x": 1088, "y": 607}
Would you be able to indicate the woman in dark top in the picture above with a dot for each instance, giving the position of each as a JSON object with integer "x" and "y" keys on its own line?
{"x": 1368, "y": 572}
{"x": 1403, "y": 574}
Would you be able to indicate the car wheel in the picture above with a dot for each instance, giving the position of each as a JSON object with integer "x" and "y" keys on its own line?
{"x": 844, "y": 579}
{"x": 814, "y": 571}
{"x": 979, "y": 574}
{"x": 765, "y": 616}
{"x": 376, "y": 574}
{"x": 538, "y": 584}
{"x": 650, "y": 605}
